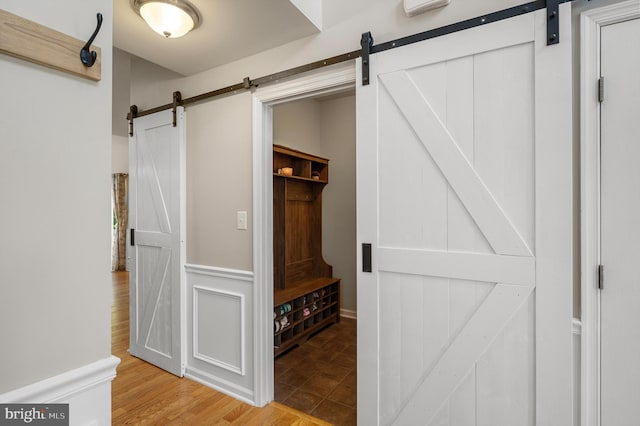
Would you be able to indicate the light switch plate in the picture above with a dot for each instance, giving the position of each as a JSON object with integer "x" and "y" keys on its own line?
{"x": 414, "y": 7}
{"x": 242, "y": 220}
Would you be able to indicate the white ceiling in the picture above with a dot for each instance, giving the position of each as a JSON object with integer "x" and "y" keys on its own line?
{"x": 230, "y": 30}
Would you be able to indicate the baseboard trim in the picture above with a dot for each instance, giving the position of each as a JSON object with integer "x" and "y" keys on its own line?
{"x": 226, "y": 387}
{"x": 65, "y": 385}
{"x": 348, "y": 313}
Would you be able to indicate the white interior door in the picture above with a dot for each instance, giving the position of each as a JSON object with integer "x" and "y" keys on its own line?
{"x": 464, "y": 191}
{"x": 157, "y": 257}
{"x": 620, "y": 223}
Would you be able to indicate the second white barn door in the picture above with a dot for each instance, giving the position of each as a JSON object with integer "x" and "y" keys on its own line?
{"x": 157, "y": 253}
{"x": 464, "y": 193}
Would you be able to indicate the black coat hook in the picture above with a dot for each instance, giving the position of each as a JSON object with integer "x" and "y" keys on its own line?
{"x": 89, "y": 58}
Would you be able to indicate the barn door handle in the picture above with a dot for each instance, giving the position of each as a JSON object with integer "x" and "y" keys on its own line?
{"x": 132, "y": 239}
{"x": 366, "y": 257}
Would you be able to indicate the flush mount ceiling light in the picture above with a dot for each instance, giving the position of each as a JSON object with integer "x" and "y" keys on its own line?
{"x": 169, "y": 18}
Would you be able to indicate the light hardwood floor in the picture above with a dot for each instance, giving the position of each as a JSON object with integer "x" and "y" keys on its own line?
{"x": 144, "y": 394}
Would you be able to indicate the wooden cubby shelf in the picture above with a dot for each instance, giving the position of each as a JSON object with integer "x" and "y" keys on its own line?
{"x": 304, "y": 165}
{"x": 300, "y": 178}
{"x": 304, "y": 309}
{"x": 306, "y": 296}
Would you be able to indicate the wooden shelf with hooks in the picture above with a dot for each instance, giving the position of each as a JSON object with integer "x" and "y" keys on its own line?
{"x": 41, "y": 45}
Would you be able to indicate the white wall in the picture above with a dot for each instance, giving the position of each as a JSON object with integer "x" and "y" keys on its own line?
{"x": 119, "y": 154}
{"x": 219, "y": 183}
{"x": 55, "y": 164}
{"x": 298, "y": 125}
{"x": 121, "y": 92}
{"x": 338, "y": 132}
{"x": 120, "y": 107}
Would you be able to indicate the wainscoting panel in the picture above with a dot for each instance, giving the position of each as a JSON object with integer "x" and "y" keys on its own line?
{"x": 218, "y": 316}
{"x": 220, "y": 329}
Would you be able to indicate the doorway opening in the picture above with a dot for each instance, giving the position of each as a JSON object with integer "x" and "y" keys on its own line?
{"x": 119, "y": 220}
{"x": 327, "y": 82}
{"x": 315, "y": 331}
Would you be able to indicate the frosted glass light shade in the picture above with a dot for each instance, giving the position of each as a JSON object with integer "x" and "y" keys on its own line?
{"x": 169, "y": 18}
{"x": 414, "y": 7}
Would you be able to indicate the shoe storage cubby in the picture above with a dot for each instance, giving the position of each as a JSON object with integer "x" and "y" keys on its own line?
{"x": 304, "y": 309}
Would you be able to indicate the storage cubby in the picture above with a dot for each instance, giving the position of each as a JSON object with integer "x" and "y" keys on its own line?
{"x": 304, "y": 309}
{"x": 299, "y": 271}
{"x": 303, "y": 164}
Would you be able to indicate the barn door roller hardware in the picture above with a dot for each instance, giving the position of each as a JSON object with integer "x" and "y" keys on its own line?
{"x": 367, "y": 43}
{"x": 553, "y": 22}
{"x": 177, "y": 101}
{"x": 368, "y": 48}
{"x": 133, "y": 113}
{"x": 553, "y": 29}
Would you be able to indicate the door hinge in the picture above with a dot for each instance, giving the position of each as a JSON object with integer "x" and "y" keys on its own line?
{"x": 132, "y": 239}
{"x": 600, "y": 277}
{"x": 601, "y": 89}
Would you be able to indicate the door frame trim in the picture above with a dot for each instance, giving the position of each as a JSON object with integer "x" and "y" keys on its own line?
{"x": 323, "y": 81}
{"x": 590, "y": 24}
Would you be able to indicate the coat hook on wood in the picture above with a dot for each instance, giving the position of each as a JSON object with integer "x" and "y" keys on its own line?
{"x": 87, "y": 57}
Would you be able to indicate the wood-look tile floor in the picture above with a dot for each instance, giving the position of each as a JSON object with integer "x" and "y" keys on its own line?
{"x": 319, "y": 376}
{"x": 143, "y": 394}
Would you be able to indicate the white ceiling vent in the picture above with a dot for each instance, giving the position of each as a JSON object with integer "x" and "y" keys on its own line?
{"x": 414, "y": 7}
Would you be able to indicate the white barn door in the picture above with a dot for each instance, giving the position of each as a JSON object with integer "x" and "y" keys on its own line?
{"x": 464, "y": 192}
{"x": 157, "y": 256}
